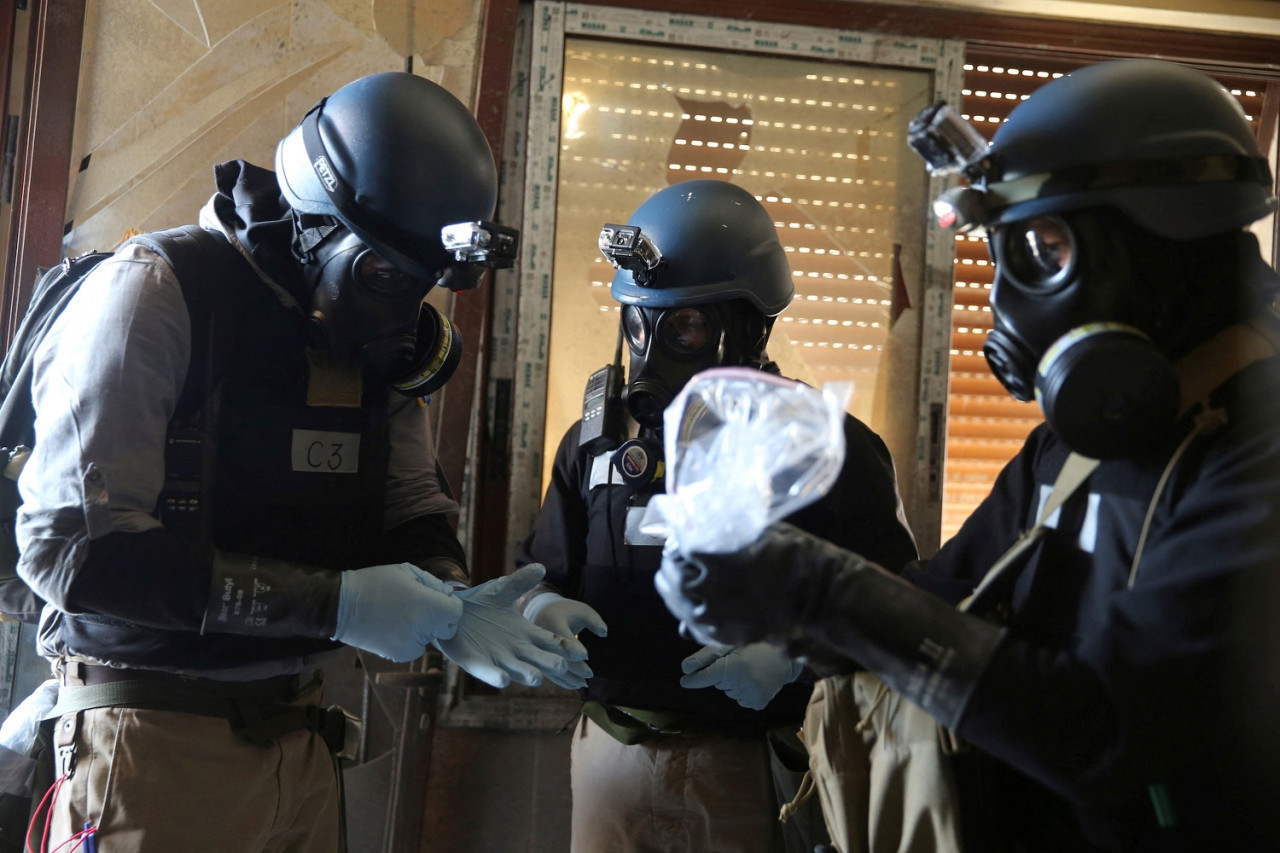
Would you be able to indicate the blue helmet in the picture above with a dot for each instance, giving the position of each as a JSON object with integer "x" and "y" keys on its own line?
{"x": 716, "y": 243}
{"x": 395, "y": 158}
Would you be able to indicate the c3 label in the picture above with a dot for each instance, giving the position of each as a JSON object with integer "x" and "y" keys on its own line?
{"x": 321, "y": 452}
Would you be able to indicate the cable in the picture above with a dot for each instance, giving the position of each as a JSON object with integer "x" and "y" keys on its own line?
{"x": 49, "y": 798}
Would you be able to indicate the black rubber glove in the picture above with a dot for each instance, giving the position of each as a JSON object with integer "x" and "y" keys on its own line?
{"x": 270, "y": 598}
{"x": 795, "y": 588}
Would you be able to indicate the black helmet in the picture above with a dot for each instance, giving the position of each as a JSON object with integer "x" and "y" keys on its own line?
{"x": 1167, "y": 146}
{"x": 395, "y": 158}
{"x": 716, "y": 243}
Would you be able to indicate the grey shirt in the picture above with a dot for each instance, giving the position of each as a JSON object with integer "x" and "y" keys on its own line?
{"x": 106, "y": 381}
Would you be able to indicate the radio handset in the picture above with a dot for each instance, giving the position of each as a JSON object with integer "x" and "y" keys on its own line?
{"x": 604, "y": 420}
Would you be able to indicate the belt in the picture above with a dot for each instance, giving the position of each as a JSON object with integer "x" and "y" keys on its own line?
{"x": 258, "y": 711}
{"x": 281, "y": 687}
{"x": 633, "y": 725}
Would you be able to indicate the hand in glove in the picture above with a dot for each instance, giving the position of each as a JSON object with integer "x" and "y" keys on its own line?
{"x": 746, "y": 596}
{"x": 751, "y": 675}
{"x": 564, "y": 616}
{"x": 497, "y": 645}
{"x": 395, "y": 610}
{"x": 795, "y": 588}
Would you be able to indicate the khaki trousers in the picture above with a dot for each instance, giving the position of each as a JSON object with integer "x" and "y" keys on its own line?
{"x": 156, "y": 781}
{"x": 700, "y": 794}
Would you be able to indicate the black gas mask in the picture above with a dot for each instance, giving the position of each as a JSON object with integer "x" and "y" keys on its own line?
{"x": 668, "y": 346}
{"x": 364, "y": 307}
{"x": 1073, "y": 314}
{"x": 1110, "y": 198}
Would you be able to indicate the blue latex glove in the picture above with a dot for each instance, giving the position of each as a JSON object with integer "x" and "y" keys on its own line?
{"x": 751, "y": 675}
{"x": 497, "y": 645}
{"x": 394, "y": 611}
{"x": 564, "y": 616}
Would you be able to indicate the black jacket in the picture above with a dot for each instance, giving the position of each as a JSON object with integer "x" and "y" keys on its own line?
{"x": 1108, "y": 698}
{"x": 579, "y": 537}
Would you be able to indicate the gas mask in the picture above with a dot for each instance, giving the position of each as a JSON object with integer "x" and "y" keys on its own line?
{"x": 668, "y": 346}
{"x": 366, "y": 308}
{"x": 1098, "y": 196}
{"x": 1072, "y": 318}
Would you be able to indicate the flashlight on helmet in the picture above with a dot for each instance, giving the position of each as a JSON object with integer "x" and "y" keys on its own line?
{"x": 627, "y": 248}
{"x": 485, "y": 243}
{"x": 962, "y": 209}
{"x": 476, "y": 246}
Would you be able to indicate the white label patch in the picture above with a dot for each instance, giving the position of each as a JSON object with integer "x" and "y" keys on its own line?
{"x": 602, "y": 471}
{"x": 1087, "y": 539}
{"x": 326, "y": 452}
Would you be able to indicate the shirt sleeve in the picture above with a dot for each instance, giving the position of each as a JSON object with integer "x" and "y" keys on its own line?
{"x": 105, "y": 383}
{"x": 559, "y": 537}
{"x": 959, "y": 565}
{"x": 415, "y": 485}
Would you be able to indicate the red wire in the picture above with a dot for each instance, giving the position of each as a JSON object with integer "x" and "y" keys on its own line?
{"x": 78, "y": 838}
{"x": 50, "y": 796}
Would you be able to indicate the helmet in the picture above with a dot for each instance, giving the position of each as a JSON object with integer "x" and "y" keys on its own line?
{"x": 1166, "y": 145}
{"x": 701, "y": 275}
{"x": 717, "y": 243}
{"x": 395, "y": 158}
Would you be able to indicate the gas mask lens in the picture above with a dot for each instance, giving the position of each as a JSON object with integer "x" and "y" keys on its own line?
{"x": 1038, "y": 251}
{"x": 633, "y": 326}
{"x": 379, "y": 276}
{"x": 685, "y": 332}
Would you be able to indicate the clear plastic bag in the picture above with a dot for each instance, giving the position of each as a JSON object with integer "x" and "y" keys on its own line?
{"x": 744, "y": 449}
{"x": 18, "y": 731}
{"x": 18, "y": 736}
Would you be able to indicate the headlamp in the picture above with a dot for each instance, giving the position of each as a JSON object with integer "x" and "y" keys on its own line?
{"x": 485, "y": 243}
{"x": 961, "y": 208}
{"x": 627, "y": 248}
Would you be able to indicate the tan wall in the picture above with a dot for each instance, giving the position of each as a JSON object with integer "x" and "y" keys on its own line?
{"x": 170, "y": 87}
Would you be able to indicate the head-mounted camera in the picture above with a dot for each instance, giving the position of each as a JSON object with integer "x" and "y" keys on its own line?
{"x": 627, "y": 248}
{"x": 948, "y": 143}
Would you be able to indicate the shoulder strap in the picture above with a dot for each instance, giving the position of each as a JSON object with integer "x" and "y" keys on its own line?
{"x": 1074, "y": 472}
{"x": 213, "y": 276}
{"x": 1199, "y": 373}
{"x": 210, "y": 270}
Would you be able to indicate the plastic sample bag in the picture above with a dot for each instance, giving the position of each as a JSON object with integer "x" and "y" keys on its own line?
{"x": 743, "y": 449}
